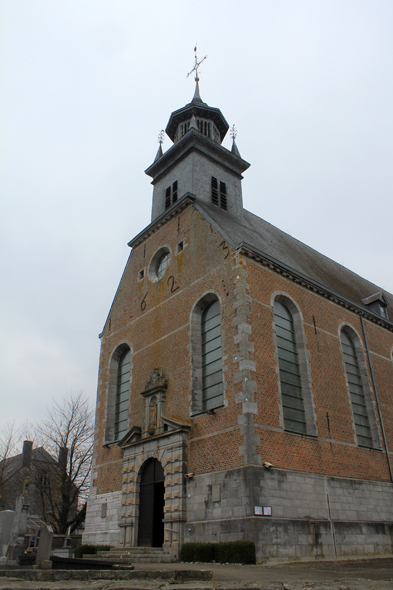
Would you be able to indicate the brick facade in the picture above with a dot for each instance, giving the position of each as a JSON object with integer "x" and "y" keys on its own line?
{"x": 322, "y": 485}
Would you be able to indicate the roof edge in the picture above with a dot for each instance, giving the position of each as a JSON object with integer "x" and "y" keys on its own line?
{"x": 179, "y": 206}
{"x": 310, "y": 284}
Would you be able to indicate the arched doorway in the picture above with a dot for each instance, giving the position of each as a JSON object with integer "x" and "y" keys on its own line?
{"x": 151, "y": 505}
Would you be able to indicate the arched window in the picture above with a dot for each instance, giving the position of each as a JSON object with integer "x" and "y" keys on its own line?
{"x": 122, "y": 395}
{"x": 212, "y": 382}
{"x": 355, "y": 385}
{"x": 290, "y": 377}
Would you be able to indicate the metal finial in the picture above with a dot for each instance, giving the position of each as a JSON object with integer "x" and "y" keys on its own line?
{"x": 161, "y": 137}
{"x": 233, "y": 132}
{"x": 196, "y": 65}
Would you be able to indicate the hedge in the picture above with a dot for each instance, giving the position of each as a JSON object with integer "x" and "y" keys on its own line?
{"x": 82, "y": 550}
{"x": 226, "y": 552}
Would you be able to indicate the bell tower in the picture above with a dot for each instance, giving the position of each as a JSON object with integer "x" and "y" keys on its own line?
{"x": 197, "y": 163}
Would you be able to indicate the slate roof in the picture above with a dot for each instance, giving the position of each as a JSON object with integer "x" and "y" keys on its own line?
{"x": 262, "y": 237}
{"x": 14, "y": 464}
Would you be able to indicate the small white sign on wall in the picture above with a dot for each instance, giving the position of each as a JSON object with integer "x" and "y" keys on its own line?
{"x": 262, "y": 510}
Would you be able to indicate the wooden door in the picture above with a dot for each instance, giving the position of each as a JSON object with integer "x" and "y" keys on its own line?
{"x": 151, "y": 505}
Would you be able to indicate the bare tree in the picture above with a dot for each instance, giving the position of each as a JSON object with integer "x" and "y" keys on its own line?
{"x": 63, "y": 475}
{"x": 9, "y": 440}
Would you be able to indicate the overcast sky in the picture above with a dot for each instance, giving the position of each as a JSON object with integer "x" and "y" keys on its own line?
{"x": 86, "y": 86}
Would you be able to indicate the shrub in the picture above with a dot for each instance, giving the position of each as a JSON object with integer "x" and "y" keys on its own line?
{"x": 82, "y": 550}
{"x": 226, "y": 552}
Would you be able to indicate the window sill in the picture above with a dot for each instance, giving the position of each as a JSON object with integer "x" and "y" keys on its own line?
{"x": 370, "y": 448}
{"x": 210, "y": 411}
{"x": 301, "y": 433}
{"x": 110, "y": 443}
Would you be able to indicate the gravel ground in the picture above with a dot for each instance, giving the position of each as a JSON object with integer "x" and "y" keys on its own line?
{"x": 365, "y": 574}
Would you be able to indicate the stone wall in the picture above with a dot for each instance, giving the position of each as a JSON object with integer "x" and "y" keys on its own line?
{"x": 102, "y": 518}
{"x": 312, "y": 516}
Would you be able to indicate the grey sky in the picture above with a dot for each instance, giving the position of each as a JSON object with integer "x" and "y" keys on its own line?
{"x": 86, "y": 87}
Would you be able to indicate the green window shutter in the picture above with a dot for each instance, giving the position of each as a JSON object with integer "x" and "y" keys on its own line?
{"x": 291, "y": 387}
{"x": 358, "y": 401}
{"x": 212, "y": 383}
{"x": 122, "y": 395}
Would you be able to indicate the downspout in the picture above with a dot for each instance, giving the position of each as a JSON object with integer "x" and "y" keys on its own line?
{"x": 376, "y": 397}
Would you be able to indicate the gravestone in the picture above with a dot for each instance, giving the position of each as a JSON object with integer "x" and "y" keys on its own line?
{"x": 44, "y": 548}
{"x": 17, "y": 538}
{"x": 6, "y": 521}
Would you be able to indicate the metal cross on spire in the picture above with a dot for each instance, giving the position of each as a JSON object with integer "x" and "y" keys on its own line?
{"x": 196, "y": 65}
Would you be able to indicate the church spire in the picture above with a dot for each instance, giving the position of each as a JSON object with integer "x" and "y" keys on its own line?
{"x": 197, "y": 163}
{"x": 197, "y": 115}
{"x": 160, "y": 141}
{"x": 234, "y": 149}
{"x": 197, "y": 96}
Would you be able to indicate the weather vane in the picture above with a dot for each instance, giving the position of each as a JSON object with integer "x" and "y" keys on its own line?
{"x": 161, "y": 137}
{"x": 196, "y": 65}
{"x": 233, "y": 132}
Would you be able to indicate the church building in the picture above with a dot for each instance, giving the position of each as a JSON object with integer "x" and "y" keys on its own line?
{"x": 245, "y": 385}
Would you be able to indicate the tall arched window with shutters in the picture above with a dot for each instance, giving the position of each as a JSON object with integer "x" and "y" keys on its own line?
{"x": 289, "y": 368}
{"x": 122, "y": 395}
{"x": 356, "y": 390}
{"x": 212, "y": 380}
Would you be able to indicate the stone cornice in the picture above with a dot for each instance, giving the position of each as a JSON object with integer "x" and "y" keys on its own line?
{"x": 195, "y": 140}
{"x": 307, "y": 283}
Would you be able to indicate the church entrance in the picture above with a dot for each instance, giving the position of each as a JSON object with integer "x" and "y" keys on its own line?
{"x": 151, "y": 505}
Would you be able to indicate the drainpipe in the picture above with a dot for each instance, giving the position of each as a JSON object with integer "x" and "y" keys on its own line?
{"x": 376, "y": 397}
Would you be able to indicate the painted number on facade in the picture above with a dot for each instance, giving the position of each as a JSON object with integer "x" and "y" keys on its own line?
{"x": 143, "y": 302}
{"x": 171, "y": 280}
{"x": 224, "y": 247}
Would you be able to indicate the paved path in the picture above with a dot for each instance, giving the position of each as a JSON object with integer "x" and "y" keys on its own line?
{"x": 370, "y": 574}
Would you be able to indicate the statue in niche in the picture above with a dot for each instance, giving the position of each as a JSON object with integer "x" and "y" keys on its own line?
{"x": 153, "y": 416}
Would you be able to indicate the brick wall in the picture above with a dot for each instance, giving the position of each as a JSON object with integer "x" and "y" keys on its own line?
{"x": 153, "y": 319}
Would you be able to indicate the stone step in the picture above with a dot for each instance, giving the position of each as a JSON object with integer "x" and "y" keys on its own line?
{"x": 134, "y": 555}
{"x": 130, "y": 554}
{"x": 140, "y": 548}
{"x": 165, "y": 558}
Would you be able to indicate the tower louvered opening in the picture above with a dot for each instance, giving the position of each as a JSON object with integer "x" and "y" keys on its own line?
{"x": 214, "y": 186}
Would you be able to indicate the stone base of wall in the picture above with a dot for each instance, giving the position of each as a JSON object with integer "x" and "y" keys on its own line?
{"x": 102, "y": 524}
{"x": 297, "y": 540}
{"x": 312, "y": 516}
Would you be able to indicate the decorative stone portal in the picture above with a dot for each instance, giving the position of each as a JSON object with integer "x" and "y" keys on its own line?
{"x": 164, "y": 439}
